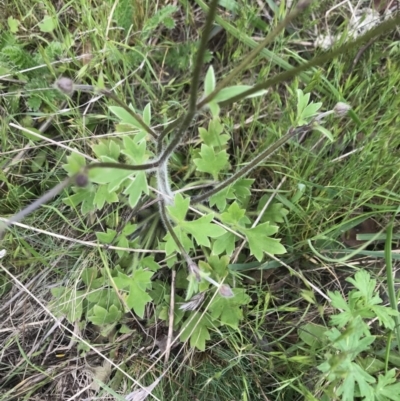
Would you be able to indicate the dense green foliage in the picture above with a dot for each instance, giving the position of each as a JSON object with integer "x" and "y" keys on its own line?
{"x": 247, "y": 278}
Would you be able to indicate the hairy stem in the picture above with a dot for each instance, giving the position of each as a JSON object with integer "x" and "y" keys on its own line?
{"x": 249, "y": 58}
{"x": 170, "y": 229}
{"x": 188, "y": 117}
{"x": 123, "y": 166}
{"x": 315, "y": 62}
{"x": 37, "y": 203}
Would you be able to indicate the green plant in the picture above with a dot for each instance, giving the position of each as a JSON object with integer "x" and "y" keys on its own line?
{"x": 142, "y": 151}
{"x": 353, "y": 364}
{"x": 110, "y": 181}
{"x": 113, "y": 175}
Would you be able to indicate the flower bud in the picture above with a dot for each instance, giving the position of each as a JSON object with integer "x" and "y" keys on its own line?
{"x": 81, "y": 180}
{"x": 341, "y": 109}
{"x": 194, "y": 269}
{"x": 226, "y": 291}
{"x": 65, "y": 85}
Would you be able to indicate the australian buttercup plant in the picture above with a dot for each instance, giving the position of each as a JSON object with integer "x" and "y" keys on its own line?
{"x": 144, "y": 150}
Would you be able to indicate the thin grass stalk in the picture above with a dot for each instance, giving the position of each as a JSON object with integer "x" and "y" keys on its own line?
{"x": 389, "y": 278}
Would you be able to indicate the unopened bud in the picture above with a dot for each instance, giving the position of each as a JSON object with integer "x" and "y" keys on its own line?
{"x": 226, "y": 291}
{"x": 303, "y": 4}
{"x": 81, "y": 180}
{"x": 341, "y": 109}
{"x": 65, "y": 85}
{"x": 194, "y": 269}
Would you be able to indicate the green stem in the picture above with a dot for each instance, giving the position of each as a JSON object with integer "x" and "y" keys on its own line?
{"x": 389, "y": 277}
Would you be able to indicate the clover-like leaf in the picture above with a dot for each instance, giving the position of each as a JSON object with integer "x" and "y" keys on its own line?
{"x": 242, "y": 188}
{"x": 240, "y": 191}
{"x": 212, "y": 136}
{"x": 129, "y": 229}
{"x": 135, "y": 151}
{"x": 385, "y": 316}
{"x": 122, "y": 242}
{"x": 385, "y": 389}
{"x": 103, "y": 195}
{"x": 358, "y": 376}
{"x": 88, "y": 202}
{"x": 48, "y": 24}
{"x": 77, "y": 198}
{"x": 224, "y": 243}
{"x": 13, "y": 24}
{"x": 219, "y": 265}
{"x": 124, "y": 116}
{"x": 101, "y": 316}
{"x": 275, "y": 212}
{"x": 114, "y": 177}
{"x": 227, "y": 310}
{"x": 219, "y": 199}
{"x": 235, "y": 215}
{"x": 202, "y": 229}
{"x": 104, "y": 296}
{"x": 137, "y": 285}
{"x": 366, "y": 286}
{"x": 196, "y": 327}
{"x": 75, "y": 162}
{"x": 210, "y": 161}
{"x": 136, "y": 187}
{"x": 179, "y": 209}
{"x": 108, "y": 148}
{"x": 260, "y": 241}
{"x": 107, "y": 237}
{"x": 170, "y": 244}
